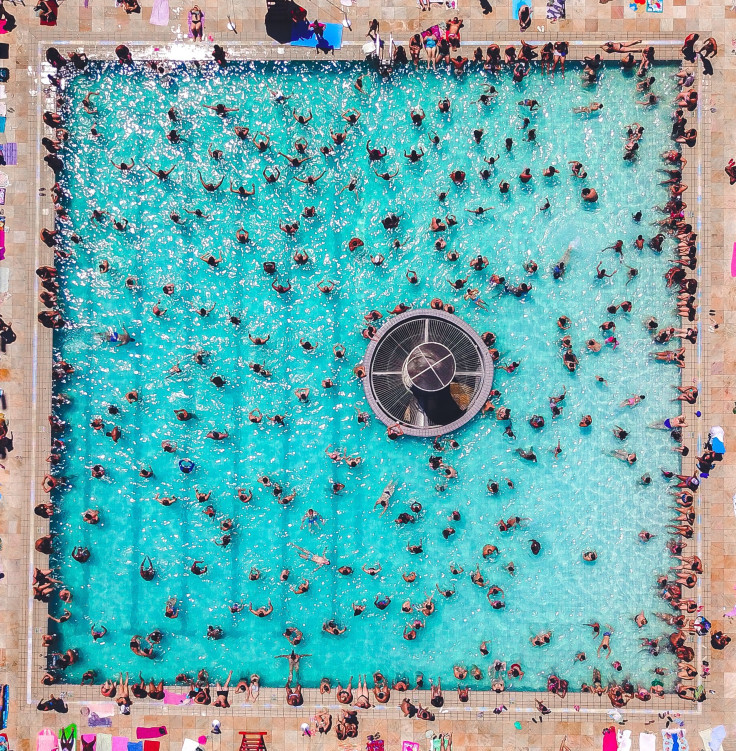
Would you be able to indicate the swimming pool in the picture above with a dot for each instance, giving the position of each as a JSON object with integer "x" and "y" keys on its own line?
{"x": 582, "y": 500}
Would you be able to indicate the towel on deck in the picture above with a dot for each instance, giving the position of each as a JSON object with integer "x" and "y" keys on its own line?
{"x": 647, "y": 742}
{"x": 303, "y": 36}
{"x": 46, "y": 740}
{"x": 141, "y": 733}
{"x": 624, "y": 740}
{"x": 673, "y": 739}
{"x": 9, "y": 152}
{"x": 101, "y": 708}
{"x": 98, "y": 722}
{"x": 555, "y": 10}
{"x": 518, "y": 4}
{"x": 713, "y": 738}
{"x": 610, "y": 742}
{"x": 170, "y": 697}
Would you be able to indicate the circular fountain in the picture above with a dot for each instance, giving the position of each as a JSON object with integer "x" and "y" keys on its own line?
{"x": 428, "y": 371}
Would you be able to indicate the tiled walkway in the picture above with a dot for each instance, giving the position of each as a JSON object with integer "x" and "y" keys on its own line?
{"x": 28, "y": 400}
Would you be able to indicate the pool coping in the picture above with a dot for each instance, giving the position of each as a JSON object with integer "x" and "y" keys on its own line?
{"x": 35, "y": 622}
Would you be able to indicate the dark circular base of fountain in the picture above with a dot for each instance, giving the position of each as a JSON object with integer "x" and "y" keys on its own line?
{"x": 428, "y": 371}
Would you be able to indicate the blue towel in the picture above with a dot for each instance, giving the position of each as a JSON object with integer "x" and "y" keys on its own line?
{"x": 716, "y": 737}
{"x": 135, "y": 745}
{"x": 517, "y": 7}
{"x": 303, "y": 36}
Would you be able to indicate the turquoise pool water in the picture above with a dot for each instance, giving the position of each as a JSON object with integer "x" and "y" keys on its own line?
{"x": 583, "y": 500}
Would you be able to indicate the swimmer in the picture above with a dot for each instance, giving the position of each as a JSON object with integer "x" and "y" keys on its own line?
{"x": 123, "y": 167}
{"x": 605, "y": 644}
{"x": 632, "y": 401}
{"x": 319, "y": 560}
{"x": 220, "y": 109}
{"x": 592, "y": 107}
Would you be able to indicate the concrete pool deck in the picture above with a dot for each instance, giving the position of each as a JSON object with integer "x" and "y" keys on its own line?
{"x": 474, "y": 726}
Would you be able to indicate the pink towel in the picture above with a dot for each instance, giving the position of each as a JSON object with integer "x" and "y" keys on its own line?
{"x": 119, "y": 743}
{"x": 46, "y": 740}
{"x": 609, "y": 739}
{"x": 157, "y": 732}
{"x": 173, "y": 698}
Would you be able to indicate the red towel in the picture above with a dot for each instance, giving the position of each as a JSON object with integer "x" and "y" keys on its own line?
{"x": 51, "y": 13}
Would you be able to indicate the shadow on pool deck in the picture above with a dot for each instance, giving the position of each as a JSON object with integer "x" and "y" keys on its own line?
{"x": 281, "y": 17}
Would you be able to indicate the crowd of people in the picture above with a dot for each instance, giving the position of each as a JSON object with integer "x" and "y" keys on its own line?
{"x": 682, "y": 613}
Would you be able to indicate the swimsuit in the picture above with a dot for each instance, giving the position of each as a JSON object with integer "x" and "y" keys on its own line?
{"x": 431, "y": 43}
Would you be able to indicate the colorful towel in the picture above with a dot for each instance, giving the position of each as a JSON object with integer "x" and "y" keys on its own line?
{"x": 160, "y": 13}
{"x": 189, "y": 21}
{"x": 151, "y": 745}
{"x": 518, "y": 5}
{"x": 50, "y": 13}
{"x": 68, "y": 738}
{"x": 673, "y": 739}
{"x": 171, "y": 697}
{"x": 135, "y": 745}
{"x": 5, "y": 690}
{"x": 303, "y": 36}
{"x": 555, "y": 10}
{"x": 46, "y": 739}
{"x": 409, "y": 746}
{"x": 101, "y": 708}
{"x": 9, "y": 153}
{"x": 654, "y": 6}
{"x": 713, "y": 738}
{"x": 141, "y": 733}
{"x": 432, "y": 31}
{"x": 95, "y": 721}
{"x": 119, "y": 743}
{"x": 610, "y": 743}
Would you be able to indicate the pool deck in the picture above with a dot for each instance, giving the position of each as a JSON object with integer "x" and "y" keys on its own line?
{"x": 25, "y": 369}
